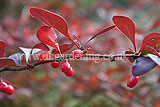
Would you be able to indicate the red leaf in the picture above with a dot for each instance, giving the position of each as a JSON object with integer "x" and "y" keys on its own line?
{"x": 99, "y": 33}
{"x": 47, "y": 36}
{"x": 41, "y": 46}
{"x": 126, "y": 26}
{"x": 63, "y": 48}
{"x": 148, "y": 49}
{"x": 153, "y": 40}
{"x": 52, "y": 19}
{"x": 6, "y": 62}
{"x": 2, "y": 49}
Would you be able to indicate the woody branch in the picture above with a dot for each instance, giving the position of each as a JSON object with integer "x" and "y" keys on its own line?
{"x": 62, "y": 58}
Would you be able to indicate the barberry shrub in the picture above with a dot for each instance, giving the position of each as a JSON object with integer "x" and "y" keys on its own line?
{"x": 147, "y": 58}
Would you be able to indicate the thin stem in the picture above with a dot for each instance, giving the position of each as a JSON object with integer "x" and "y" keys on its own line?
{"x": 62, "y": 58}
{"x": 75, "y": 43}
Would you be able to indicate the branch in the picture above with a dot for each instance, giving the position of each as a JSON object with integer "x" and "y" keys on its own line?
{"x": 64, "y": 57}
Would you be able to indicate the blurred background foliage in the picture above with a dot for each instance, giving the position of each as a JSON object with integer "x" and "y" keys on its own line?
{"x": 95, "y": 84}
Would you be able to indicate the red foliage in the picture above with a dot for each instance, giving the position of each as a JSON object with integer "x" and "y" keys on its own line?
{"x": 51, "y": 19}
{"x": 6, "y": 63}
{"x": 153, "y": 40}
{"x": 126, "y": 26}
{"x": 63, "y": 48}
{"x": 41, "y": 46}
{"x": 149, "y": 49}
{"x": 47, "y": 36}
{"x": 100, "y": 32}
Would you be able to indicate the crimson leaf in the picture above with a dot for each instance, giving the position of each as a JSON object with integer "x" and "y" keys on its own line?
{"x": 63, "y": 48}
{"x": 148, "y": 49}
{"x": 52, "y": 19}
{"x": 41, "y": 46}
{"x": 99, "y": 33}
{"x": 153, "y": 40}
{"x": 47, "y": 36}
{"x": 7, "y": 62}
{"x": 126, "y": 26}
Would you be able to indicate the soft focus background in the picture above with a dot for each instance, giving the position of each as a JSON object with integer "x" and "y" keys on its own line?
{"x": 95, "y": 84}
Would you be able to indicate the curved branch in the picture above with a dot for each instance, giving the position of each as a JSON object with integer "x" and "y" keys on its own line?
{"x": 62, "y": 58}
